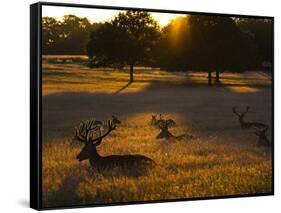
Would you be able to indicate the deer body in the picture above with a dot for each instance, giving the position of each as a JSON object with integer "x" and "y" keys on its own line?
{"x": 128, "y": 165}
{"x": 263, "y": 141}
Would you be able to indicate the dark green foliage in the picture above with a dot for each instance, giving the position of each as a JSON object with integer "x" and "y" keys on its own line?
{"x": 68, "y": 36}
{"x": 207, "y": 43}
{"x": 261, "y": 31}
{"x": 126, "y": 40}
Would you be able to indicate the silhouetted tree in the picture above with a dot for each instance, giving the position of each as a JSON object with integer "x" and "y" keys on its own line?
{"x": 127, "y": 39}
{"x": 68, "y": 36}
{"x": 51, "y": 31}
{"x": 207, "y": 43}
{"x": 171, "y": 48}
{"x": 261, "y": 31}
{"x": 218, "y": 45}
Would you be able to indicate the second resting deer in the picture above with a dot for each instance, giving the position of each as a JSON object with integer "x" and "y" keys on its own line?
{"x": 158, "y": 122}
{"x": 127, "y": 165}
{"x": 263, "y": 140}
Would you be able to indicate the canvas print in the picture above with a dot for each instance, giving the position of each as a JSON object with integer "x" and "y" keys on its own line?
{"x": 146, "y": 106}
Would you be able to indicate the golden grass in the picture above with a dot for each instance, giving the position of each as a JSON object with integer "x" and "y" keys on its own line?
{"x": 221, "y": 160}
{"x": 209, "y": 166}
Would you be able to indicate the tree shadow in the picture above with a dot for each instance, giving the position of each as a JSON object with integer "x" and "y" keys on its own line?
{"x": 122, "y": 88}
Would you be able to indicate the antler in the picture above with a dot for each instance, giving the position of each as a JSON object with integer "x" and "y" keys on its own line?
{"x": 85, "y": 128}
{"x": 110, "y": 128}
{"x": 235, "y": 112}
{"x": 247, "y": 110}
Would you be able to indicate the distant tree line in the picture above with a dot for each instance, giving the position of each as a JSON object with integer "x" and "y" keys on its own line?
{"x": 193, "y": 42}
{"x": 67, "y": 36}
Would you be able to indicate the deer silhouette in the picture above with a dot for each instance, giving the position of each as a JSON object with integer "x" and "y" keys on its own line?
{"x": 263, "y": 140}
{"x": 166, "y": 134}
{"x": 127, "y": 165}
{"x": 244, "y": 124}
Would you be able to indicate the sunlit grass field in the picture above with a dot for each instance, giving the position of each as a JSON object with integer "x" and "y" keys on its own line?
{"x": 221, "y": 160}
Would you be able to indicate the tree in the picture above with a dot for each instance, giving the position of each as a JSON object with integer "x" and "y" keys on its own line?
{"x": 68, "y": 36}
{"x": 261, "y": 30}
{"x": 207, "y": 43}
{"x": 218, "y": 45}
{"x": 171, "y": 48}
{"x": 128, "y": 39}
{"x": 50, "y": 30}
{"x": 74, "y": 34}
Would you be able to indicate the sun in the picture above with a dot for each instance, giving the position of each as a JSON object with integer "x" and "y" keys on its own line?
{"x": 164, "y": 19}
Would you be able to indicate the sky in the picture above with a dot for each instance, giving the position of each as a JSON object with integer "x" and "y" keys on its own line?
{"x": 99, "y": 15}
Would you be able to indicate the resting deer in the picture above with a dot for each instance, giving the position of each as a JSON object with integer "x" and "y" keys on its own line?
{"x": 243, "y": 123}
{"x": 166, "y": 134}
{"x": 263, "y": 140}
{"x": 156, "y": 122}
{"x": 129, "y": 165}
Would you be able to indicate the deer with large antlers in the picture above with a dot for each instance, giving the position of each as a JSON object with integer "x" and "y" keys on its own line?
{"x": 128, "y": 165}
{"x": 244, "y": 124}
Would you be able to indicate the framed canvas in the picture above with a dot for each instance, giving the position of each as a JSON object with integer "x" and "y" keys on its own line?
{"x": 134, "y": 105}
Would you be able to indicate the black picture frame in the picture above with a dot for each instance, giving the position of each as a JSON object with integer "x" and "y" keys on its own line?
{"x": 36, "y": 103}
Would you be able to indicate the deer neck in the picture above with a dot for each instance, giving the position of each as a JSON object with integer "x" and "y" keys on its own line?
{"x": 242, "y": 122}
{"x": 94, "y": 156}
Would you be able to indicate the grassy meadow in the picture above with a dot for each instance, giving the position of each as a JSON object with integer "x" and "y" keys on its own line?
{"x": 221, "y": 160}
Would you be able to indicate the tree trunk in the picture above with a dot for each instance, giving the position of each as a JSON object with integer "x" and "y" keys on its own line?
{"x": 131, "y": 73}
{"x": 210, "y": 78}
{"x": 217, "y": 77}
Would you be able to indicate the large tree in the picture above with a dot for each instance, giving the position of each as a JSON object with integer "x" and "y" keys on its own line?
{"x": 128, "y": 39}
{"x": 207, "y": 43}
{"x": 261, "y": 30}
{"x": 218, "y": 45}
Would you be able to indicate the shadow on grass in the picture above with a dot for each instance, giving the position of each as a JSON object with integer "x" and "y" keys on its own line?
{"x": 66, "y": 194}
{"x": 123, "y": 88}
{"x": 63, "y": 111}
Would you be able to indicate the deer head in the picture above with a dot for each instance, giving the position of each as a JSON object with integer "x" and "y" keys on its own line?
{"x": 153, "y": 117}
{"x": 91, "y": 136}
{"x": 115, "y": 120}
{"x": 261, "y": 132}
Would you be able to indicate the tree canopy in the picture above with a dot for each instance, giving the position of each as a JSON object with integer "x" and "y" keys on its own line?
{"x": 128, "y": 40}
{"x": 207, "y": 43}
{"x": 68, "y": 36}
